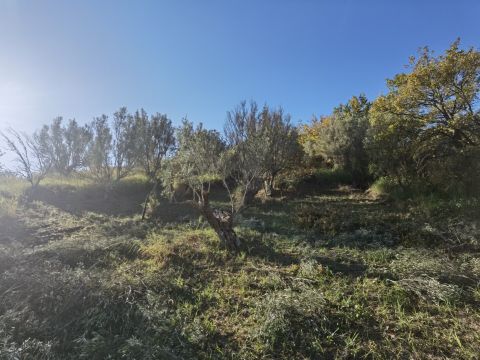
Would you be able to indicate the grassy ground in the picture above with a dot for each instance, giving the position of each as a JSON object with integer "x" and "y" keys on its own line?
{"x": 331, "y": 274}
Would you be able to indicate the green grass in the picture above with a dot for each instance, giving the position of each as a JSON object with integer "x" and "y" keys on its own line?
{"x": 330, "y": 274}
{"x": 425, "y": 198}
{"x": 11, "y": 189}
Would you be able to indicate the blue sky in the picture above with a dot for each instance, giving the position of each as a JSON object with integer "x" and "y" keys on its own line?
{"x": 200, "y": 58}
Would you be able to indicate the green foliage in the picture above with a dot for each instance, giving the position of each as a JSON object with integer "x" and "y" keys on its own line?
{"x": 114, "y": 149}
{"x": 428, "y": 124}
{"x": 125, "y": 143}
{"x": 201, "y": 161}
{"x": 265, "y": 144}
{"x": 198, "y": 161}
{"x": 66, "y": 146}
{"x": 155, "y": 137}
{"x": 246, "y": 135}
{"x": 280, "y": 147}
{"x": 109, "y": 151}
{"x": 340, "y": 138}
{"x": 99, "y": 161}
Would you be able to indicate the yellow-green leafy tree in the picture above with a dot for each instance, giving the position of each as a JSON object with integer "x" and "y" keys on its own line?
{"x": 340, "y": 138}
{"x": 428, "y": 124}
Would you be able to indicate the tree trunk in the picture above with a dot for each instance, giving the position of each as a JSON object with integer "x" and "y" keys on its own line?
{"x": 147, "y": 199}
{"x": 145, "y": 205}
{"x": 252, "y": 190}
{"x": 268, "y": 186}
{"x": 222, "y": 224}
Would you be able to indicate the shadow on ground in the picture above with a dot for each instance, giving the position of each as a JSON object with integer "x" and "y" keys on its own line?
{"x": 123, "y": 199}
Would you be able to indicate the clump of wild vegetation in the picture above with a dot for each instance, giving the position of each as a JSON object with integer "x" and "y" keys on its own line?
{"x": 355, "y": 236}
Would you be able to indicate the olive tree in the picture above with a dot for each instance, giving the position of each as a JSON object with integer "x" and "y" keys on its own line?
{"x": 266, "y": 141}
{"x": 244, "y": 136}
{"x": 67, "y": 146}
{"x": 113, "y": 151}
{"x": 124, "y": 143}
{"x": 33, "y": 162}
{"x": 99, "y": 156}
{"x": 155, "y": 140}
{"x": 281, "y": 149}
{"x": 203, "y": 159}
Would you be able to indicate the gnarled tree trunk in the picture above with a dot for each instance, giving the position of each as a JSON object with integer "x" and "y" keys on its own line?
{"x": 269, "y": 185}
{"x": 221, "y": 222}
{"x": 153, "y": 192}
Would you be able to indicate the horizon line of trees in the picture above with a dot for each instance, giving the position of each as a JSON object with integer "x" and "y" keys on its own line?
{"x": 426, "y": 130}
{"x": 256, "y": 145}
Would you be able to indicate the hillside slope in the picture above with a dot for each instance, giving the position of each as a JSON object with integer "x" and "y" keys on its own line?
{"x": 332, "y": 274}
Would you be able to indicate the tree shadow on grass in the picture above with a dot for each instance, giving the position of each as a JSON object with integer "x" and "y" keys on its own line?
{"x": 311, "y": 219}
{"x": 337, "y": 267}
{"x": 269, "y": 254}
{"x": 174, "y": 212}
{"x": 11, "y": 231}
{"x": 125, "y": 198}
{"x": 256, "y": 248}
